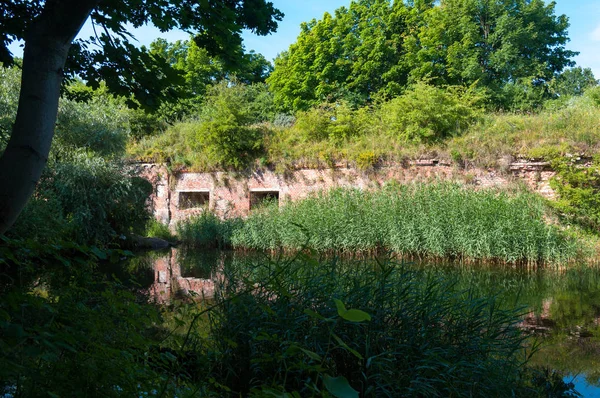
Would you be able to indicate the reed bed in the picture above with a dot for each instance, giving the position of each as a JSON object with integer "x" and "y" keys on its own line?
{"x": 207, "y": 231}
{"x": 276, "y": 331}
{"x": 439, "y": 220}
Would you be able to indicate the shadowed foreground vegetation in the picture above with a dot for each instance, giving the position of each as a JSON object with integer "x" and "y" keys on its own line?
{"x": 295, "y": 327}
{"x": 439, "y": 220}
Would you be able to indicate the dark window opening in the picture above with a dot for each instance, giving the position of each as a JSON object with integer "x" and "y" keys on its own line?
{"x": 263, "y": 198}
{"x": 193, "y": 200}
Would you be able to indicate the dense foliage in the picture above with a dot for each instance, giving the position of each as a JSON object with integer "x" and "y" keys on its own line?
{"x": 128, "y": 70}
{"x": 226, "y": 131}
{"x": 298, "y": 326}
{"x": 67, "y": 329}
{"x": 200, "y": 71}
{"x": 305, "y": 327}
{"x": 373, "y": 48}
{"x": 578, "y": 187}
{"x": 87, "y": 193}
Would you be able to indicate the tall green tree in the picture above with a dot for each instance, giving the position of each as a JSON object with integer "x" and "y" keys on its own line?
{"x": 492, "y": 43}
{"x": 49, "y": 28}
{"x": 200, "y": 68}
{"x": 349, "y": 55}
{"x": 573, "y": 82}
{"x": 377, "y": 47}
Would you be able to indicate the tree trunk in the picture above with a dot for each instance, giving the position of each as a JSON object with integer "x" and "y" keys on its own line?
{"x": 46, "y": 48}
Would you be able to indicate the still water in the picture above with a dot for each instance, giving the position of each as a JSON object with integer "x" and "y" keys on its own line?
{"x": 561, "y": 307}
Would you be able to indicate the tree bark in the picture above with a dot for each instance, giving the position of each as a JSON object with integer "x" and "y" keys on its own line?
{"x": 46, "y": 49}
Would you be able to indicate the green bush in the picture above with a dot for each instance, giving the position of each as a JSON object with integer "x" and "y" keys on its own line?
{"x": 428, "y": 113}
{"x": 313, "y": 125}
{"x": 578, "y": 189}
{"x": 92, "y": 200}
{"x": 227, "y": 132}
{"x": 156, "y": 229}
{"x": 335, "y": 122}
{"x": 99, "y": 125}
{"x": 521, "y": 96}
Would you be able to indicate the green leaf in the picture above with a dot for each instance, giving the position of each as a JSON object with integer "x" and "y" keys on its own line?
{"x": 351, "y": 315}
{"x": 346, "y": 346}
{"x": 341, "y": 308}
{"x": 339, "y": 387}
{"x": 314, "y": 314}
{"x": 98, "y": 253}
{"x": 312, "y": 355}
{"x": 356, "y": 316}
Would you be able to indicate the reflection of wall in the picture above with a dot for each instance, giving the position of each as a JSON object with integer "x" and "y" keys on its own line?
{"x": 229, "y": 193}
{"x": 540, "y": 323}
{"x": 169, "y": 282}
{"x": 160, "y": 290}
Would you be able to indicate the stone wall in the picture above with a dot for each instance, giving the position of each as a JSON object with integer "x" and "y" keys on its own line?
{"x": 231, "y": 194}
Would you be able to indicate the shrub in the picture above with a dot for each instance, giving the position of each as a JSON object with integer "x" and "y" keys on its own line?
{"x": 156, "y": 229}
{"x": 578, "y": 188}
{"x": 99, "y": 125}
{"x": 524, "y": 95}
{"x": 225, "y": 134}
{"x": 94, "y": 200}
{"x": 427, "y": 113}
{"x": 335, "y": 122}
{"x": 207, "y": 230}
{"x": 313, "y": 125}
{"x": 283, "y": 120}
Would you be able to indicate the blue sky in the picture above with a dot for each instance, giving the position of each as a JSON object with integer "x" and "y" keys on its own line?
{"x": 584, "y": 16}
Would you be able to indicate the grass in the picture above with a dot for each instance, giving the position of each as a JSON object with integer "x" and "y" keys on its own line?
{"x": 207, "y": 231}
{"x": 156, "y": 229}
{"x": 564, "y": 126}
{"x": 438, "y": 220}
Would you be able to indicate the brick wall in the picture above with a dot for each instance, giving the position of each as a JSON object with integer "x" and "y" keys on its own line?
{"x": 229, "y": 194}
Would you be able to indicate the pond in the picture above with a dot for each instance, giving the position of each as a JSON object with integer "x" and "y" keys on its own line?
{"x": 560, "y": 306}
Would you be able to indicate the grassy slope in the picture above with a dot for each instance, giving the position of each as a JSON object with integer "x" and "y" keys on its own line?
{"x": 572, "y": 127}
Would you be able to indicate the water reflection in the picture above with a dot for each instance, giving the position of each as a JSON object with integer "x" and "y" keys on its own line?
{"x": 560, "y": 306}
{"x": 179, "y": 273}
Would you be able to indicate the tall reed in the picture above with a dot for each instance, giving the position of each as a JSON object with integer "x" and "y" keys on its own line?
{"x": 431, "y": 220}
{"x": 277, "y": 330}
{"x": 206, "y": 230}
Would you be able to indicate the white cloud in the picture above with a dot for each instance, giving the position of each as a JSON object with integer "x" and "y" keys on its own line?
{"x": 595, "y": 36}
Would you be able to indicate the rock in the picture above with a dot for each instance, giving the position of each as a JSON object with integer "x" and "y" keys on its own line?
{"x": 151, "y": 243}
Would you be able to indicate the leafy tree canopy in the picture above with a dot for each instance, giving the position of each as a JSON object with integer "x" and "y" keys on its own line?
{"x": 375, "y": 48}
{"x": 111, "y": 55}
{"x": 201, "y": 69}
{"x": 573, "y": 82}
{"x": 49, "y": 28}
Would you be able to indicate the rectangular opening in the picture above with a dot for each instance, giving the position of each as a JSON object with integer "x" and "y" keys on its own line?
{"x": 194, "y": 199}
{"x": 262, "y": 198}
